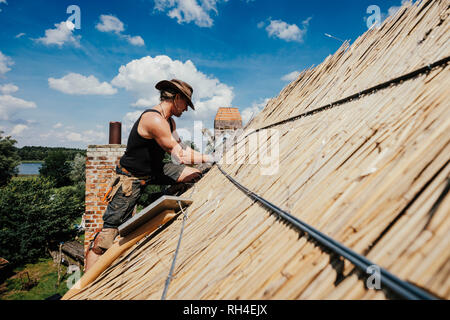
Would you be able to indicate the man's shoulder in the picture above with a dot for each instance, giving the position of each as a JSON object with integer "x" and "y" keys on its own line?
{"x": 153, "y": 122}
{"x": 152, "y": 117}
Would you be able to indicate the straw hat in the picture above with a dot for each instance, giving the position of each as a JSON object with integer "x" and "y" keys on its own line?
{"x": 178, "y": 85}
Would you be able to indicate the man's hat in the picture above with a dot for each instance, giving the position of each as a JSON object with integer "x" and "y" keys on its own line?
{"x": 178, "y": 85}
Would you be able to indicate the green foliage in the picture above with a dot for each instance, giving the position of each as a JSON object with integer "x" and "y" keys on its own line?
{"x": 78, "y": 169}
{"x": 40, "y": 153}
{"x": 57, "y": 168}
{"x": 9, "y": 159}
{"x": 146, "y": 198}
{"x": 35, "y": 216}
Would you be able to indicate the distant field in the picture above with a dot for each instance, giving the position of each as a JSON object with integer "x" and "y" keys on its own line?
{"x": 26, "y": 177}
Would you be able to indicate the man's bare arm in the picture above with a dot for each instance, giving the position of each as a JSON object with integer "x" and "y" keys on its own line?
{"x": 160, "y": 131}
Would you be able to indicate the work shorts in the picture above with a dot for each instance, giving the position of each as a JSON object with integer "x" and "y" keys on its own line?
{"x": 121, "y": 207}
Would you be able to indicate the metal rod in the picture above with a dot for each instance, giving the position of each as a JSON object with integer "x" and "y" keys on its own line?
{"x": 384, "y": 85}
{"x": 172, "y": 267}
{"x": 400, "y": 287}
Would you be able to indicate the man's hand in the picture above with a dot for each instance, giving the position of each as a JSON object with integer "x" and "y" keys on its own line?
{"x": 204, "y": 167}
{"x": 214, "y": 158}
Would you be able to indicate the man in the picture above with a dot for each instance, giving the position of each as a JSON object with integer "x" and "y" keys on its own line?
{"x": 152, "y": 135}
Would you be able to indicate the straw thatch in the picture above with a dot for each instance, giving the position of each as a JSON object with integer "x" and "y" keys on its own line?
{"x": 369, "y": 173}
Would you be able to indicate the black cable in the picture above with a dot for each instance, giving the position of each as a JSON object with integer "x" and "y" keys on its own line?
{"x": 402, "y": 288}
{"x": 384, "y": 85}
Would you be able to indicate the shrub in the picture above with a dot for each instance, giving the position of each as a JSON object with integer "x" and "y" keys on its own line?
{"x": 35, "y": 216}
{"x": 78, "y": 169}
{"x": 9, "y": 159}
{"x": 57, "y": 168}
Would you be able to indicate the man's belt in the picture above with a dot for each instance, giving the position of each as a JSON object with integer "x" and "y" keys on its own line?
{"x": 125, "y": 172}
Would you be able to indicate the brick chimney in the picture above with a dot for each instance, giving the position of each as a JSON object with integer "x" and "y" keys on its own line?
{"x": 100, "y": 164}
{"x": 227, "y": 121}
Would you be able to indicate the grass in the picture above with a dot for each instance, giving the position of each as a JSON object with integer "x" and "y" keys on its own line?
{"x": 45, "y": 275}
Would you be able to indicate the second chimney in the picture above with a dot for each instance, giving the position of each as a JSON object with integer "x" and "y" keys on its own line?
{"x": 115, "y": 132}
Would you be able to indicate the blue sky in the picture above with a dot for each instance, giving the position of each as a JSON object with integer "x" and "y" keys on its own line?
{"x": 60, "y": 85}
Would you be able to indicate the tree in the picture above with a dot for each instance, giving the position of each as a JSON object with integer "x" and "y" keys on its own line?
{"x": 78, "y": 174}
{"x": 35, "y": 216}
{"x": 78, "y": 169}
{"x": 40, "y": 153}
{"x": 57, "y": 168}
{"x": 9, "y": 159}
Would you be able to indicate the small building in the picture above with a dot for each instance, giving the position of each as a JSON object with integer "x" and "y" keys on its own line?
{"x": 227, "y": 121}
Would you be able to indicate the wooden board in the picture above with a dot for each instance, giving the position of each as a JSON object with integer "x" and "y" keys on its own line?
{"x": 163, "y": 203}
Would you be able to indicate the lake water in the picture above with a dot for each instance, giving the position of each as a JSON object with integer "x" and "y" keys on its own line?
{"x": 30, "y": 168}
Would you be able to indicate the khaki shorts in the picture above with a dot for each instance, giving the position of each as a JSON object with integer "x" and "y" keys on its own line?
{"x": 168, "y": 174}
{"x": 121, "y": 207}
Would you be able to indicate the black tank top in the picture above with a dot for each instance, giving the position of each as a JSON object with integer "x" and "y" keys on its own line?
{"x": 143, "y": 156}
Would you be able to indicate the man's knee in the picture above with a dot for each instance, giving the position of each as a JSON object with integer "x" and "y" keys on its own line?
{"x": 104, "y": 240}
{"x": 189, "y": 175}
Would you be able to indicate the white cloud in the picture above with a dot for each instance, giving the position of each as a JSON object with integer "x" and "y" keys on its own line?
{"x": 3, "y": 1}
{"x": 287, "y": 32}
{"x": 394, "y": 9}
{"x": 136, "y": 40}
{"x": 20, "y": 35}
{"x": 291, "y": 76}
{"x": 110, "y": 23}
{"x": 5, "y": 63}
{"x": 187, "y": 11}
{"x": 63, "y": 33}
{"x": 140, "y": 77}
{"x": 58, "y": 125}
{"x": 74, "y": 136}
{"x": 8, "y": 88}
{"x": 87, "y": 136}
{"x": 18, "y": 129}
{"x": 128, "y": 121}
{"x": 77, "y": 84}
{"x": 142, "y": 103}
{"x": 252, "y": 111}
{"x": 9, "y": 105}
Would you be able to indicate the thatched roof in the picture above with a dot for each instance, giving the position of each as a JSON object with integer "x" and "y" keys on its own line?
{"x": 228, "y": 118}
{"x": 370, "y": 173}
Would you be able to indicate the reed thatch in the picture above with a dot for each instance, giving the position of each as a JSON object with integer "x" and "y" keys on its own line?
{"x": 369, "y": 173}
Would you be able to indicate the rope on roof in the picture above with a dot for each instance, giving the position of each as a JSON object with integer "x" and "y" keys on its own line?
{"x": 172, "y": 267}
